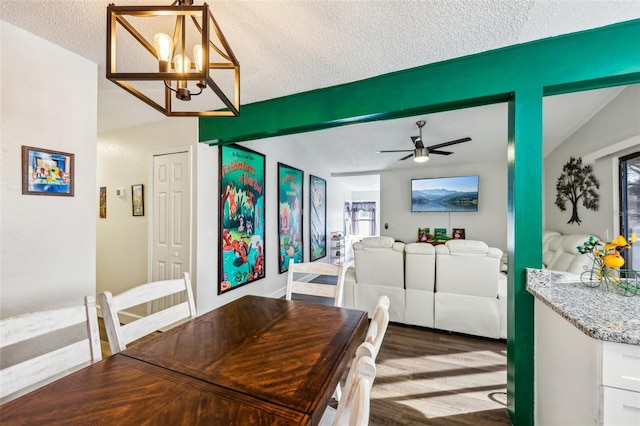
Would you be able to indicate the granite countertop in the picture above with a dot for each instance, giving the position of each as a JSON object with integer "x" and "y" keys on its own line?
{"x": 597, "y": 312}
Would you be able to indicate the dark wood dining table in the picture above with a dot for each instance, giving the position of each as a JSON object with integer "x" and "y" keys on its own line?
{"x": 256, "y": 360}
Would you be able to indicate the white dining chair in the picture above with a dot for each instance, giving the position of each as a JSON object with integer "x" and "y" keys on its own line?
{"x": 66, "y": 350}
{"x": 353, "y": 408}
{"x": 378, "y": 325}
{"x": 375, "y": 334}
{"x": 295, "y": 286}
{"x": 120, "y": 335}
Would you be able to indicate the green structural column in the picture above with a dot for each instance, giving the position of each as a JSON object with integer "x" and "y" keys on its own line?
{"x": 524, "y": 242}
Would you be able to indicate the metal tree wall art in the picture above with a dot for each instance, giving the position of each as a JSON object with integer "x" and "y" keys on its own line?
{"x": 577, "y": 183}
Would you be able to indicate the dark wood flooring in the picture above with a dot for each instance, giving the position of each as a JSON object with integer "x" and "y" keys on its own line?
{"x": 430, "y": 377}
{"x": 433, "y": 377}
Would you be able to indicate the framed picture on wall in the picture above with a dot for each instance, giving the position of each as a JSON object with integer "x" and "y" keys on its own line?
{"x": 290, "y": 192}
{"x": 440, "y": 233}
{"x": 241, "y": 216}
{"x": 103, "y": 202}
{"x": 47, "y": 172}
{"x": 423, "y": 235}
{"x": 457, "y": 233}
{"x": 318, "y": 221}
{"x": 137, "y": 199}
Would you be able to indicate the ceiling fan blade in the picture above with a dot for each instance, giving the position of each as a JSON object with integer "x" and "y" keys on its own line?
{"x": 435, "y": 151}
{"x": 404, "y": 158}
{"x": 394, "y": 150}
{"x": 442, "y": 145}
{"x": 417, "y": 141}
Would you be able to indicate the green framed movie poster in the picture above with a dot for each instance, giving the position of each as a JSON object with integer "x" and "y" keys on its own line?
{"x": 318, "y": 218}
{"x": 241, "y": 216}
{"x": 290, "y": 192}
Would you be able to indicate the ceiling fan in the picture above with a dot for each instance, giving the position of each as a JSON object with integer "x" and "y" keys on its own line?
{"x": 421, "y": 153}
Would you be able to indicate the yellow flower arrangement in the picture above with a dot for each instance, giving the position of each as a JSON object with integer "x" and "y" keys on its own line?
{"x": 607, "y": 261}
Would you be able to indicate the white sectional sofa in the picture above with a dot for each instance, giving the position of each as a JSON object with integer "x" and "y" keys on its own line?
{"x": 457, "y": 286}
{"x": 560, "y": 252}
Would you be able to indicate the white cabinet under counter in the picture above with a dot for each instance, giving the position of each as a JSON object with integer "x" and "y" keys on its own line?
{"x": 620, "y": 384}
{"x": 587, "y": 353}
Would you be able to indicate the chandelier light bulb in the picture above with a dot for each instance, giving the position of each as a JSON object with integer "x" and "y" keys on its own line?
{"x": 183, "y": 25}
{"x": 182, "y": 63}
{"x": 164, "y": 48}
{"x": 197, "y": 57}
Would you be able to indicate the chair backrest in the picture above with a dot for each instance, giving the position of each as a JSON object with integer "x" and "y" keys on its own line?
{"x": 353, "y": 407}
{"x": 315, "y": 289}
{"x": 46, "y": 330}
{"x": 122, "y": 334}
{"x": 378, "y": 326}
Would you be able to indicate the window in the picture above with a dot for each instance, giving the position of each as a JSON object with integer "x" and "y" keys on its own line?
{"x": 364, "y": 223}
{"x": 360, "y": 218}
{"x": 630, "y": 206}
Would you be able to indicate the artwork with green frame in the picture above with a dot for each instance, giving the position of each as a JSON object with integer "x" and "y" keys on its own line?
{"x": 318, "y": 219}
{"x": 290, "y": 192}
{"x": 241, "y": 216}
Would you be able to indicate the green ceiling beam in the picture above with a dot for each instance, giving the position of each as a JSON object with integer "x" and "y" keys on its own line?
{"x": 519, "y": 74}
{"x": 555, "y": 64}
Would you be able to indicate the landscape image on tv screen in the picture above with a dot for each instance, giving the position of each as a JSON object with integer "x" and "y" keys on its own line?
{"x": 447, "y": 194}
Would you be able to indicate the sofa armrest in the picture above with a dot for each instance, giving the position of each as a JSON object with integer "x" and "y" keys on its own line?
{"x": 398, "y": 246}
{"x": 494, "y": 252}
{"x": 503, "y": 286}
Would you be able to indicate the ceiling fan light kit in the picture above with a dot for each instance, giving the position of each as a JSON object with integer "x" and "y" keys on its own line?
{"x": 420, "y": 153}
{"x": 181, "y": 48}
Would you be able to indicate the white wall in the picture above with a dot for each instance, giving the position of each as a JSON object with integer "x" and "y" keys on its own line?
{"x": 365, "y": 195}
{"x": 488, "y": 224}
{"x": 125, "y": 159}
{"x": 337, "y": 194}
{"x": 47, "y": 243}
{"x": 618, "y": 121}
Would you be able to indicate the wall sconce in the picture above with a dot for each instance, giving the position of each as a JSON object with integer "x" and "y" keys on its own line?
{"x": 173, "y": 50}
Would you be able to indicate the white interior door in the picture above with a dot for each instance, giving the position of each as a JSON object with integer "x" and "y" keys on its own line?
{"x": 171, "y": 216}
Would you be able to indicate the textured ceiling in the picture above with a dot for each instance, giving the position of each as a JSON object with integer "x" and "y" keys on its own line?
{"x": 291, "y": 46}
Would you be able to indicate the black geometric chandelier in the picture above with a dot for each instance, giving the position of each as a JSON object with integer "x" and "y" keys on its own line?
{"x": 158, "y": 53}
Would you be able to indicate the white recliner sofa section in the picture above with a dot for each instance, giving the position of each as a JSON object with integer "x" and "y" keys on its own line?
{"x": 420, "y": 282}
{"x": 379, "y": 271}
{"x": 471, "y": 293}
{"x": 457, "y": 286}
{"x": 560, "y": 252}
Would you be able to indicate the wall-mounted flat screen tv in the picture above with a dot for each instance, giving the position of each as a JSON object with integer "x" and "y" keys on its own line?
{"x": 445, "y": 194}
